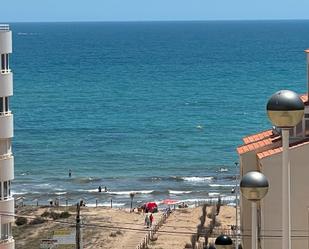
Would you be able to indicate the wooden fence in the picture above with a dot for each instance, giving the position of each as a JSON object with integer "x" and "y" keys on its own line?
{"x": 153, "y": 230}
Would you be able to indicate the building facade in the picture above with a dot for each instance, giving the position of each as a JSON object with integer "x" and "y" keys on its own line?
{"x": 263, "y": 152}
{"x": 6, "y": 135}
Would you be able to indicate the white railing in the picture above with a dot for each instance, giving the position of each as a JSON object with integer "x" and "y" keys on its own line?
{"x": 9, "y": 239}
{"x": 4, "y": 71}
{"x": 4, "y": 27}
{"x": 5, "y": 113}
{"x": 6, "y": 156}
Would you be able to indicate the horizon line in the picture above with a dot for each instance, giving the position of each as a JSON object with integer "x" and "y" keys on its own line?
{"x": 179, "y": 20}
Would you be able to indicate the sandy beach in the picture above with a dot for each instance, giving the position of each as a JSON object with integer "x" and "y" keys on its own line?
{"x": 116, "y": 228}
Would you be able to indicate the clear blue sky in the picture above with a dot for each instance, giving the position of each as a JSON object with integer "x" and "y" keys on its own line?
{"x": 140, "y": 10}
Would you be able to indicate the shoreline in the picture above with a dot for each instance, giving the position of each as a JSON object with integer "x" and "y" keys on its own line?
{"x": 117, "y": 227}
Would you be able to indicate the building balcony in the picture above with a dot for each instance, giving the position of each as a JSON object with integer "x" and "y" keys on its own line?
{"x": 5, "y": 40}
{"x": 6, "y": 168}
{"x": 5, "y": 71}
{"x": 6, "y": 83}
{"x": 7, "y": 243}
{"x": 6, "y": 124}
{"x": 7, "y": 211}
{"x": 4, "y": 27}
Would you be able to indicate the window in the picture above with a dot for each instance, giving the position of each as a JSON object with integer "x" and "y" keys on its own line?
{"x": 4, "y": 62}
{"x": 6, "y": 189}
{"x": 5, "y": 147}
{"x": 307, "y": 126}
{"x": 1, "y": 105}
{"x": 299, "y": 129}
{"x": 4, "y": 105}
{"x": 6, "y": 231}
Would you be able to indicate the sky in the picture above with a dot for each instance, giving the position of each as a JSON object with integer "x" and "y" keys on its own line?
{"x": 150, "y": 10}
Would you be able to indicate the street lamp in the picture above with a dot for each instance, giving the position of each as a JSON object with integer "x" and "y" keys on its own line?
{"x": 236, "y": 201}
{"x": 223, "y": 242}
{"x": 285, "y": 110}
{"x": 254, "y": 186}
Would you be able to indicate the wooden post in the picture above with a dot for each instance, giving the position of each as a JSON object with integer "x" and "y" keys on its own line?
{"x": 78, "y": 237}
{"x": 96, "y": 202}
{"x": 111, "y": 202}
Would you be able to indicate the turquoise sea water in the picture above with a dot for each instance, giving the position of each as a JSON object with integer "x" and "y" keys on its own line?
{"x": 153, "y": 107}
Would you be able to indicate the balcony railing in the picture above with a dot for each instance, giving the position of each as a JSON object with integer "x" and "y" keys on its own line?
{"x": 9, "y": 239}
{"x": 4, "y": 71}
{"x": 5, "y": 113}
{"x": 6, "y": 156}
{"x": 4, "y": 27}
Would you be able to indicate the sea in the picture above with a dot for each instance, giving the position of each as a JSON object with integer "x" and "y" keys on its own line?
{"x": 154, "y": 108}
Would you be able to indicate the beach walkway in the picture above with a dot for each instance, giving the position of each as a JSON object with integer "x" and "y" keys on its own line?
{"x": 133, "y": 239}
{"x": 183, "y": 221}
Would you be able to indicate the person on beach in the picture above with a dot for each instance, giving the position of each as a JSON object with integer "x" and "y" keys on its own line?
{"x": 147, "y": 220}
{"x": 99, "y": 189}
{"x": 70, "y": 173}
{"x": 105, "y": 189}
{"x": 151, "y": 219}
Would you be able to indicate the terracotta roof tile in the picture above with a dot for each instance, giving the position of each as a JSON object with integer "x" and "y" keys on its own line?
{"x": 253, "y": 146}
{"x": 256, "y": 137}
{"x": 279, "y": 149}
{"x": 304, "y": 98}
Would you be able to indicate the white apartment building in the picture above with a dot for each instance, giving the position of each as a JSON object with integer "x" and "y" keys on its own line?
{"x": 6, "y": 135}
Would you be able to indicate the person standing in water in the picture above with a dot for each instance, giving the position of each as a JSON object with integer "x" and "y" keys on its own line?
{"x": 70, "y": 173}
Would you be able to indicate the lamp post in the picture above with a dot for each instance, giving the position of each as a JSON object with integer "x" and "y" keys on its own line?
{"x": 254, "y": 186}
{"x": 285, "y": 110}
{"x": 236, "y": 201}
{"x": 223, "y": 242}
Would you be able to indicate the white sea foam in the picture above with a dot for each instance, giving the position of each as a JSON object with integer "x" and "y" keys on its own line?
{"x": 92, "y": 190}
{"x": 194, "y": 200}
{"x": 129, "y": 192}
{"x": 222, "y": 185}
{"x": 231, "y": 199}
{"x": 213, "y": 194}
{"x": 19, "y": 193}
{"x": 198, "y": 179}
{"x": 176, "y": 192}
{"x": 44, "y": 185}
{"x": 232, "y": 204}
{"x": 60, "y": 193}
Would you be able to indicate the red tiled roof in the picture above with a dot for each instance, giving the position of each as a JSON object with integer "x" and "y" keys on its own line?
{"x": 279, "y": 149}
{"x": 304, "y": 97}
{"x": 267, "y": 137}
{"x": 257, "y": 137}
{"x": 259, "y": 144}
